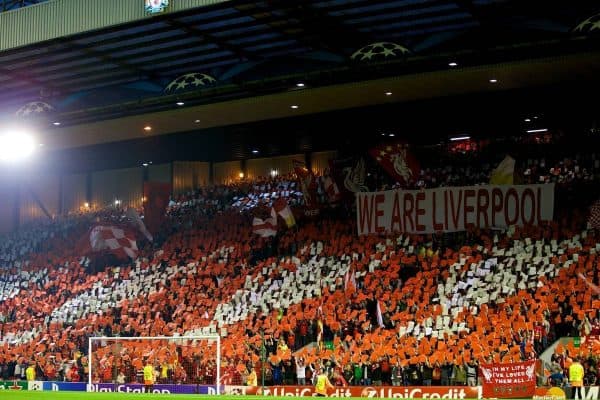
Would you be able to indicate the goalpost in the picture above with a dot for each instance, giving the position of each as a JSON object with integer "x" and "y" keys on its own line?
{"x": 179, "y": 362}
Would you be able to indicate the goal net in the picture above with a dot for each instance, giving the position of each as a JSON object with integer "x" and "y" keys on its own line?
{"x": 186, "y": 364}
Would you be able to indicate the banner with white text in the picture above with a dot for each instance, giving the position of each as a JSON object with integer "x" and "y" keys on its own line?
{"x": 509, "y": 380}
{"x": 452, "y": 209}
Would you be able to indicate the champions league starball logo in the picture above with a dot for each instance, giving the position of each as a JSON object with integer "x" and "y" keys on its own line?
{"x": 155, "y": 6}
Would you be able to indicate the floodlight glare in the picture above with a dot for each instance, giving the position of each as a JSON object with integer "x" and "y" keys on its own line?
{"x": 15, "y": 146}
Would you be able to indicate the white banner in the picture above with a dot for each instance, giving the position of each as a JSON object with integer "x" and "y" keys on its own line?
{"x": 451, "y": 209}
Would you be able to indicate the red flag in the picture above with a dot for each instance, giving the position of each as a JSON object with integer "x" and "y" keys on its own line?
{"x": 349, "y": 175}
{"x": 350, "y": 281}
{"x": 308, "y": 185}
{"x": 156, "y": 196}
{"x": 397, "y": 161}
{"x": 117, "y": 240}
{"x": 331, "y": 188}
{"x": 265, "y": 227}
{"x": 281, "y": 207}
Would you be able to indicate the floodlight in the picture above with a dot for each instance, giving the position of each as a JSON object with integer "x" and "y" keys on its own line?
{"x": 16, "y": 145}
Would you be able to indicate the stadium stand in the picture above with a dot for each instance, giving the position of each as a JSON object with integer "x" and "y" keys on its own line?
{"x": 219, "y": 92}
{"x": 445, "y": 300}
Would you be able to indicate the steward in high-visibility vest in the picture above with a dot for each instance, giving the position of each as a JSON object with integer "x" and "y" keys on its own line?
{"x": 30, "y": 372}
{"x": 322, "y": 384}
{"x": 148, "y": 377}
{"x": 576, "y": 378}
{"x": 252, "y": 379}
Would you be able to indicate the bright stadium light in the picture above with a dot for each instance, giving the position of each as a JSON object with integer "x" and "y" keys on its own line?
{"x": 16, "y": 146}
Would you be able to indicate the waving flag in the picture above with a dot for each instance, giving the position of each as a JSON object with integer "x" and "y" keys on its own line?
{"x": 331, "y": 188}
{"x": 119, "y": 241}
{"x": 266, "y": 227}
{"x": 308, "y": 185}
{"x": 379, "y": 315}
{"x": 350, "y": 281}
{"x": 504, "y": 172}
{"x": 397, "y": 161}
{"x": 156, "y": 196}
{"x": 136, "y": 220}
{"x": 282, "y": 208}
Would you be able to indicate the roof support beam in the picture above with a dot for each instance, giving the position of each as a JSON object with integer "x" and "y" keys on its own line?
{"x": 240, "y": 52}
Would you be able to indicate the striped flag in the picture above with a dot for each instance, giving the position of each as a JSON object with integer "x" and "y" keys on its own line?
{"x": 119, "y": 241}
{"x": 266, "y": 227}
{"x": 350, "y": 281}
{"x": 282, "y": 208}
{"x": 331, "y": 188}
{"x": 379, "y": 315}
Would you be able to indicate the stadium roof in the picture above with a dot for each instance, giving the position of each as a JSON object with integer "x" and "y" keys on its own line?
{"x": 241, "y": 61}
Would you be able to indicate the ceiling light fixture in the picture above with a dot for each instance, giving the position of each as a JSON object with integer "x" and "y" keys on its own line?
{"x": 537, "y": 130}
{"x": 493, "y": 80}
{"x": 294, "y": 106}
{"x": 388, "y": 93}
{"x": 180, "y": 103}
{"x": 527, "y": 119}
{"x": 391, "y": 135}
{"x": 56, "y": 123}
{"x": 457, "y": 138}
{"x": 452, "y": 64}
{"x": 300, "y": 84}
{"x": 254, "y": 151}
{"x": 197, "y": 121}
{"x": 147, "y": 128}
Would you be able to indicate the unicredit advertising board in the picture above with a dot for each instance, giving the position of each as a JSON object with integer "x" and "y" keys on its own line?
{"x": 452, "y": 209}
{"x": 398, "y": 392}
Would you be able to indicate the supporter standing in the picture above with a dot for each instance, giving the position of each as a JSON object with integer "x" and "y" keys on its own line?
{"x": 252, "y": 379}
{"x": 397, "y": 374}
{"x": 300, "y": 371}
{"x": 460, "y": 375}
{"x": 358, "y": 374}
{"x": 576, "y": 378}
{"x": 446, "y": 374}
{"x": 148, "y": 377}
{"x": 322, "y": 384}
{"x": 30, "y": 372}
{"x": 348, "y": 374}
{"x": 426, "y": 373}
{"x": 471, "y": 373}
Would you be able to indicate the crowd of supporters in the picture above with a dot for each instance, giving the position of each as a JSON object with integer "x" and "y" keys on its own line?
{"x": 398, "y": 310}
